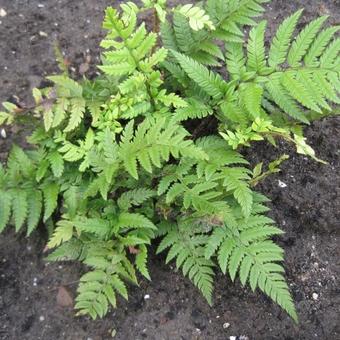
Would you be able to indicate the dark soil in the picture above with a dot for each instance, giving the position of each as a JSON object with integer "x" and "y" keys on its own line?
{"x": 307, "y": 209}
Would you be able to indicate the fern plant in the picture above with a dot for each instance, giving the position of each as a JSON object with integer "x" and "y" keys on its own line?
{"x": 116, "y": 164}
{"x": 267, "y": 94}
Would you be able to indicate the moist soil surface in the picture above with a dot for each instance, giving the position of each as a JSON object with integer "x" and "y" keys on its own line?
{"x": 305, "y": 203}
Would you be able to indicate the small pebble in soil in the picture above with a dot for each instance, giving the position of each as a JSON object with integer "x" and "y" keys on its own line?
{"x": 41, "y": 318}
{"x": 226, "y": 325}
{"x": 43, "y": 34}
{"x": 41, "y": 5}
{"x": 3, "y": 133}
{"x": 315, "y": 296}
{"x": 3, "y": 13}
{"x": 146, "y": 297}
{"x": 282, "y": 184}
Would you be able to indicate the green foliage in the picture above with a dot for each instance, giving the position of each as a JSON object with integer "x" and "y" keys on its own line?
{"x": 279, "y": 91}
{"x": 197, "y": 17}
{"x": 119, "y": 161}
{"x": 219, "y": 19}
{"x": 187, "y": 247}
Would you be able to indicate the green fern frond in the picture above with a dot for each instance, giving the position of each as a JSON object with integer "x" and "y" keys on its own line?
{"x": 133, "y": 220}
{"x": 194, "y": 109}
{"x": 293, "y": 90}
{"x": 235, "y": 60}
{"x": 251, "y": 96}
{"x": 141, "y": 261}
{"x": 298, "y": 91}
{"x": 318, "y": 47}
{"x": 5, "y": 209}
{"x": 34, "y": 205}
{"x": 96, "y": 226}
{"x": 98, "y": 289}
{"x": 153, "y": 143}
{"x": 62, "y": 233}
{"x": 168, "y": 36}
{"x": 19, "y": 208}
{"x": 198, "y": 19}
{"x": 235, "y": 181}
{"x": 187, "y": 248}
{"x": 72, "y": 200}
{"x": 68, "y": 251}
{"x": 255, "y": 257}
{"x": 282, "y": 98}
{"x": 281, "y": 42}
{"x": 232, "y": 15}
{"x": 77, "y": 113}
{"x": 303, "y": 41}
{"x": 211, "y": 48}
{"x": 256, "y": 49}
{"x": 322, "y": 78}
{"x": 329, "y": 58}
{"x": 57, "y": 163}
{"x": 223, "y": 157}
{"x": 64, "y": 83}
{"x": 60, "y": 110}
{"x": 184, "y": 36}
{"x": 51, "y": 192}
{"x": 134, "y": 197}
{"x": 211, "y": 83}
{"x": 19, "y": 161}
{"x": 306, "y": 79}
{"x": 123, "y": 68}
{"x": 214, "y": 241}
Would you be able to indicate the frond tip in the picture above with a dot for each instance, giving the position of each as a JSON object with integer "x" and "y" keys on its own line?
{"x": 187, "y": 249}
{"x": 247, "y": 250}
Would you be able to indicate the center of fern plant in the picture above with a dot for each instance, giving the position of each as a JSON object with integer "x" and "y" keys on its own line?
{"x": 112, "y": 167}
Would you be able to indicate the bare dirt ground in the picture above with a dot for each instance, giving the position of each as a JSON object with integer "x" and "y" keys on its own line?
{"x": 307, "y": 209}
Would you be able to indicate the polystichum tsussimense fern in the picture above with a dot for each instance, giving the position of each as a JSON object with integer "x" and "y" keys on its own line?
{"x": 113, "y": 166}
